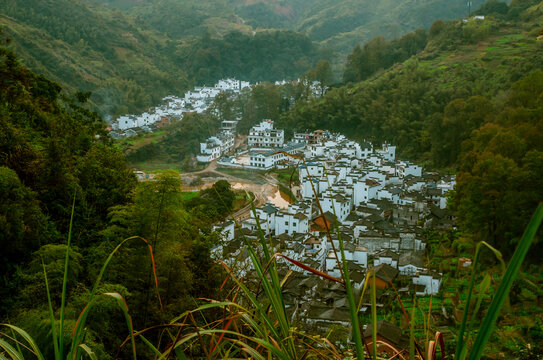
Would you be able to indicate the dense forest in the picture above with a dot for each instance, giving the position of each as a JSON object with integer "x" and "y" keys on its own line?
{"x": 128, "y": 66}
{"x": 130, "y": 54}
{"x": 338, "y": 25}
{"x": 58, "y": 162}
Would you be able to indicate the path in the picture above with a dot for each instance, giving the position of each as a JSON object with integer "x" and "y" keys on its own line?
{"x": 210, "y": 174}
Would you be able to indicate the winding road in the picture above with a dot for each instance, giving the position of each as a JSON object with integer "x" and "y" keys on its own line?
{"x": 263, "y": 186}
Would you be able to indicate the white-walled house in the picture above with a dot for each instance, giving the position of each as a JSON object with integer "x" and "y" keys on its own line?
{"x": 410, "y": 263}
{"x": 266, "y": 160}
{"x": 288, "y": 223}
{"x": 405, "y": 168}
{"x": 264, "y": 135}
{"x": 430, "y": 280}
{"x": 266, "y": 216}
{"x": 365, "y": 191}
{"x": 216, "y": 146}
{"x": 387, "y": 152}
{"x": 226, "y": 230}
{"x": 336, "y": 204}
{"x": 127, "y": 122}
{"x": 386, "y": 257}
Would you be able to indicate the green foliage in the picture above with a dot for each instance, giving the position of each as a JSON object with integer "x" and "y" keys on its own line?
{"x": 264, "y": 56}
{"x": 51, "y": 146}
{"x": 494, "y": 8}
{"x": 499, "y": 184}
{"x": 420, "y": 104}
{"x": 180, "y": 143}
{"x": 23, "y": 226}
{"x": 379, "y": 54}
{"x": 125, "y": 64}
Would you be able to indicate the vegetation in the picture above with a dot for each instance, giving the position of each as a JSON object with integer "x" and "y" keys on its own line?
{"x": 333, "y": 24}
{"x": 471, "y": 100}
{"x": 130, "y": 54}
{"x": 128, "y": 66}
{"x": 57, "y": 160}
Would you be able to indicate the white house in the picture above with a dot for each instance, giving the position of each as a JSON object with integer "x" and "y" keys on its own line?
{"x": 410, "y": 263}
{"x": 430, "y": 280}
{"x": 216, "y": 146}
{"x": 271, "y": 158}
{"x": 405, "y": 168}
{"x": 387, "y": 152}
{"x": 386, "y": 257}
{"x": 226, "y": 230}
{"x": 127, "y": 122}
{"x": 365, "y": 190}
{"x": 288, "y": 223}
{"x": 336, "y": 204}
{"x": 264, "y": 135}
{"x": 266, "y": 216}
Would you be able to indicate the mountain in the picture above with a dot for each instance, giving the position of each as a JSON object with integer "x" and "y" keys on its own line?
{"x": 93, "y": 49}
{"x": 404, "y": 102}
{"x": 336, "y": 24}
{"x": 128, "y": 65}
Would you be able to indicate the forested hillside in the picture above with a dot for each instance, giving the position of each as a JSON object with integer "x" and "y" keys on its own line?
{"x": 129, "y": 66}
{"x": 336, "y": 24}
{"x": 55, "y": 159}
{"x": 409, "y": 102}
{"x": 93, "y": 49}
{"x": 130, "y": 54}
{"x": 471, "y": 100}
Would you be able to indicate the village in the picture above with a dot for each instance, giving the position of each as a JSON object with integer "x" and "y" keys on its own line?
{"x": 197, "y": 100}
{"x": 376, "y": 203}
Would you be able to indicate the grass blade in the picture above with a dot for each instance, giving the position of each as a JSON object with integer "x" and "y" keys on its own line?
{"x": 505, "y": 285}
{"x": 65, "y": 283}
{"x": 78, "y": 333}
{"x": 124, "y": 308}
{"x": 373, "y": 320}
{"x": 309, "y": 268}
{"x": 28, "y": 339}
{"x": 10, "y": 350}
{"x": 51, "y": 315}
{"x": 88, "y": 351}
{"x": 412, "y": 332}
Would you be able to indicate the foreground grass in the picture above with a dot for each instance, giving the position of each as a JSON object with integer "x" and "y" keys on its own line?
{"x": 259, "y": 326}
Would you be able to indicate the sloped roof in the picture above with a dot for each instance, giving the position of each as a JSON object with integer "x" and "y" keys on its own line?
{"x": 411, "y": 258}
{"x": 269, "y": 208}
{"x": 300, "y": 216}
{"x": 388, "y": 331}
{"x": 386, "y": 272}
{"x": 389, "y": 254}
{"x": 335, "y": 314}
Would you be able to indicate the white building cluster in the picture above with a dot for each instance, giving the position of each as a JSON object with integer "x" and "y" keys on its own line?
{"x": 216, "y": 146}
{"x": 378, "y": 205}
{"x": 173, "y": 108}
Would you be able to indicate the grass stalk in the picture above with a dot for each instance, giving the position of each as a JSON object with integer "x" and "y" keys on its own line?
{"x": 412, "y": 332}
{"x": 373, "y": 319}
{"x": 51, "y": 315}
{"x": 503, "y": 290}
{"x": 65, "y": 283}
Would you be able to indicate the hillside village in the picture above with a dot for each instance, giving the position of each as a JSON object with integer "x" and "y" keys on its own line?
{"x": 378, "y": 204}
{"x": 198, "y": 101}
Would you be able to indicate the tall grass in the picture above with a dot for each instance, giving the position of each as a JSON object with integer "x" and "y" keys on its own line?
{"x": 501, "y": 294}
{"x": 22, "y": 340}
{"x": 261, "y": 329}
{"x": 274, "y": 336}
